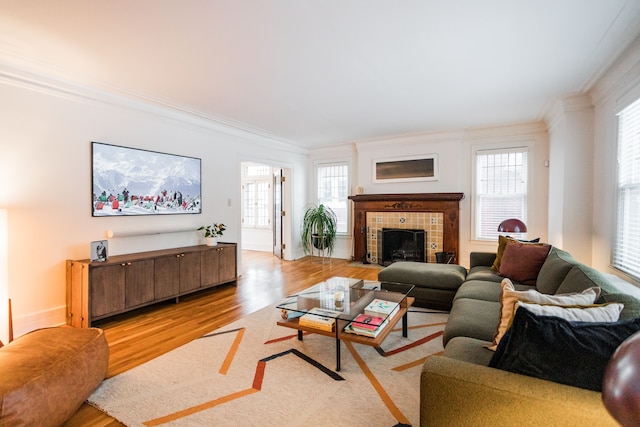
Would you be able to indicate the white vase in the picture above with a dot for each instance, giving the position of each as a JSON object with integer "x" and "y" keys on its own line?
{"x": 212, "y": 241}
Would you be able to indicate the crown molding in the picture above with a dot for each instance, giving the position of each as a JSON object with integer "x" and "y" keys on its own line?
{"x": 410, "y": 138}
{"x": 621, "y": 77}
{"x": 567, "y": 104}
{"x": 49, "y": 84}
{"x": 614, "y": 44}
{"x": 448, "y": 136}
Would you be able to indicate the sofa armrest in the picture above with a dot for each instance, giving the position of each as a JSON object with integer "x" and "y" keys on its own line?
{"x": 485, "y": 259}
{"x": 459, "y": 393}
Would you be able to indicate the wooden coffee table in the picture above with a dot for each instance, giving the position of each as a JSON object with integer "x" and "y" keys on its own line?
{"x": 341, "y": 301}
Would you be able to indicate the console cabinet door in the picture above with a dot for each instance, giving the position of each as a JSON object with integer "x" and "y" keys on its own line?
{"x": 106, "y": 292}
{"x": 189, "y": 271}
{"x": 209, "y": 267}
{"x": 227, "y": 264}
{"x": 167, "y": 276}
{"x": 139, "y": 278}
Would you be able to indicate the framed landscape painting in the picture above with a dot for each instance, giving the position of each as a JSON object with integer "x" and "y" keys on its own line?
{"x": 131, "y": 181}
{"x": 406, "y": 169}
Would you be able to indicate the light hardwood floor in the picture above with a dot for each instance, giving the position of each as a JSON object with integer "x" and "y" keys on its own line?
{"x": 137, "y": 337}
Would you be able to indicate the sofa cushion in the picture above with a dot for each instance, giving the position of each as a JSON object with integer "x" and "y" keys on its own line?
{"x": 555, "y": 349}
{"x": 484, "y": 259}
{"x": 554, "y": 270}
{"x": 435, "y": 276}
{"x": 522, "y": 262}
{"x": 577, "y": 313}
{"x": 439, "y": 299}
{"x": 479, "y": 289}
{"x": 470, "y": 350}
{"x": 502, "y": 244}
{"x": 510, "y": 297}
{"x": 482, "y": 272}
{"x": 472, "y": 318}
{"x": 631, "y": 308}
{"x": 581, "y": 277}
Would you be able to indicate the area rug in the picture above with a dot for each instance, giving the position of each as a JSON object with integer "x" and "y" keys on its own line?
{"x": 255, "y": 373}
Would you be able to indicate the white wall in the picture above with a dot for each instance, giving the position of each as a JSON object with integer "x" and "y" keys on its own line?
{"x": 46, "y": 133}
{"x": 571, "y": 171}
{"x": 455, "y": 155}
{"x": 618, "y": 87}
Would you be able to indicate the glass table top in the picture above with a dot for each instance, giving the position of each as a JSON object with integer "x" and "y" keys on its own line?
{"x": 342, "y": 298}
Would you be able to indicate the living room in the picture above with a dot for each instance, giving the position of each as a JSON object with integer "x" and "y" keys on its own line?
{"x": 55, "y": 101}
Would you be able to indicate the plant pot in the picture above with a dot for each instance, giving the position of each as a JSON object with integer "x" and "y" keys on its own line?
{"x": 319, "y": 243}
{"x": 211, "y": 241}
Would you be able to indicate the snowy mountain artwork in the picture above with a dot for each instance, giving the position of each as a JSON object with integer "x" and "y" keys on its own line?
{"x": 130, "y": 181}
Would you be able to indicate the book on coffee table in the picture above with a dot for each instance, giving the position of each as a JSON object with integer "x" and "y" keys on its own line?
{"x": 319, "y": 318}
{"x": 367, "y": 323}
{"x": 358, "y": 329}
{"x": 382, "y": 308}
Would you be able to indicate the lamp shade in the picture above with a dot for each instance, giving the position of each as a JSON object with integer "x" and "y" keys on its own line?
{"x": 512, "y": 226}
{"x": 620, "y": 391}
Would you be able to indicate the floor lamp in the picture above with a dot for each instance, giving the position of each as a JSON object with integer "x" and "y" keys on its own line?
{"x": 5, "y": 310}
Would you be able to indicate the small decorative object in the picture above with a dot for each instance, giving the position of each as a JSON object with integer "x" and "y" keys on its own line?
{"x": 212, "y": 232}
{"x": 338, "y": 297}
{"x": 99, "y": 250}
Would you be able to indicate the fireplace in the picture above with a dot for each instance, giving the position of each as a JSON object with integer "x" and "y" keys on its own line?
{"x": 446, "y": 204}
{"x": 396, "y": 244}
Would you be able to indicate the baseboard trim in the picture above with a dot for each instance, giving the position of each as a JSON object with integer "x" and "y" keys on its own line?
{"x": 44, "y": 319}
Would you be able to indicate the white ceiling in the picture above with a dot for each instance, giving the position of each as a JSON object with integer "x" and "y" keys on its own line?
{"x": 323, "y": 72}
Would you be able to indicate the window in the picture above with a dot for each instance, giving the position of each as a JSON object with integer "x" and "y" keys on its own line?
{"x": 501, "y": 189}
{"x": 256, "y": 196}
{"x": 626, "y": 249}
{"x": 333, "y": 190}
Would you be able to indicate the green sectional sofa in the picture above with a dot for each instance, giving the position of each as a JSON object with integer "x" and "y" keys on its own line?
{"x": 458, "y": 388}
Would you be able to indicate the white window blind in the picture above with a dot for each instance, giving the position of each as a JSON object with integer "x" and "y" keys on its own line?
{"x": 333, "y": 190}
{"x": 501, "y": 189}
{"x": 626, "y": 249}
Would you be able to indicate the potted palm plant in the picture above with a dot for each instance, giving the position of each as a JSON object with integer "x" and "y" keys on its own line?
{"x": 319, "y": 227}
{"x": 212, "y": 232}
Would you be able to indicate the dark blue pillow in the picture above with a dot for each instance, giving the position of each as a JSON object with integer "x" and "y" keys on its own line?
{"x": 555, "y": 349}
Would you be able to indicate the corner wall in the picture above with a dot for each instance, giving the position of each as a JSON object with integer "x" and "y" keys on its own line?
{"x": 571, "y": 176}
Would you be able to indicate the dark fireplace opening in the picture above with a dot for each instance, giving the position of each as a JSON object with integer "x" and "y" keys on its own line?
{"x": 397, "y": 244}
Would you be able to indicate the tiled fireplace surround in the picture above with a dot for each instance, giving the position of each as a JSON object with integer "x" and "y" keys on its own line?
{"x": 430, "y": 222}
{"x": 436, "y": 213}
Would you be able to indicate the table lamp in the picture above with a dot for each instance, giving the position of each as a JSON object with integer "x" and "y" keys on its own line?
{"x": 512, "y": 225}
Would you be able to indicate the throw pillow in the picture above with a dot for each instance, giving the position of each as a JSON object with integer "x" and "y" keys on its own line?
{"x": 522, "y": 262}
{"x": 577, "y": 313}
{"x": 536, "y": 240}
{"x": 509, "y": 297}
{"x": 555, "y": 349}
{"x": 502, "y": 244}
